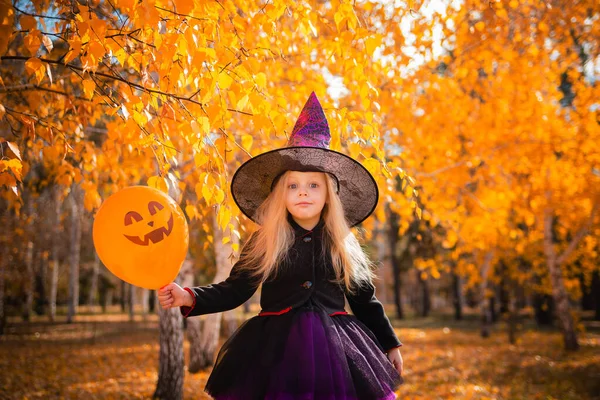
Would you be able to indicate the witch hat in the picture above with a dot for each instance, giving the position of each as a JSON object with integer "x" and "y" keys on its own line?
{"x": 307, "y": 150}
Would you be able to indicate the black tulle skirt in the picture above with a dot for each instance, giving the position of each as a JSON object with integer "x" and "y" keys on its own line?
{"x": 303, "y": 354}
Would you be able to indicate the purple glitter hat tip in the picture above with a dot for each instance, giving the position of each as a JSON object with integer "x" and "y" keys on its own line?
{"x": 311, "y": 128}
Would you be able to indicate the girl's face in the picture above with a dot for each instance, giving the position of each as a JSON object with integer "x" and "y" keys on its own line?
{"x": 305, "y": 196}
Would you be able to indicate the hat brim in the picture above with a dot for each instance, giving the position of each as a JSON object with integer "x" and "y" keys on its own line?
{"x": 253, "y": 180}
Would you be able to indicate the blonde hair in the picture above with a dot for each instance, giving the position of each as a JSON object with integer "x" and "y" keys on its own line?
{"x": 269, "y": 245}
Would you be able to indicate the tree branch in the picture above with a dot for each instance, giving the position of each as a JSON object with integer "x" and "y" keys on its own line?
{"x": 581, "y": 233}
{"x": 37, "y": 15}
{"x": 120, "y": 79}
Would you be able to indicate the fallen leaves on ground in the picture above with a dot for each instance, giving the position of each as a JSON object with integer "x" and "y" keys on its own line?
{"x": 108, "y": 357}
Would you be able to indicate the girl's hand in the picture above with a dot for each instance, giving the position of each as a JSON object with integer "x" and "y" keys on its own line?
{"x": 173, "y": 295}
{"x": 396, "y": 359}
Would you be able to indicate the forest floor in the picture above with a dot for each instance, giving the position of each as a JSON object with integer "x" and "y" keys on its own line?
{"x": 108, "y": 357}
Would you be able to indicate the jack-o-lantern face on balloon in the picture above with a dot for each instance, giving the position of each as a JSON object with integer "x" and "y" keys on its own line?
{"x": 141, "y": 235}
{"x": 157, "y": 232}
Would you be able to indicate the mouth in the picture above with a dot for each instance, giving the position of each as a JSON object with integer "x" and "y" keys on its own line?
{"x": 154, "y": 236}
{"x": 303, "y": 204}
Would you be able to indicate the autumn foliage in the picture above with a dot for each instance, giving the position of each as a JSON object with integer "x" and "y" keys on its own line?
{"x": 479, "y": 119}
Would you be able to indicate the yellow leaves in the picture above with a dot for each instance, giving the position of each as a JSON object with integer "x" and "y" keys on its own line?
{"x": 247, "y": 141}
{"x": 35, "y": 67}
{"x": 373, "y": 166}
{"x": 158, "y": 182}
{"x": 209, "y": 190}
{"x": 200, "y": 126}
{"x": 15, "y": 149}
{"x": 224, "y": 217}
{"x": 371, "y": 43}
{"x": 345, "y": 13}
{"x": 88, "y": 88}
{"x": 93, "y": 53}
{"x": 261, "y": 80}
{"x": 47, "y": 43}
{"x": 74, "y": 50}
{"x": 14, "y": 165}
{"x": 275, "y": 10}
{"x": 480, "y": 26}
{"x": 27, "y": 22}
{"x": 200, "y": 159}
{"x": 224, "y": 80}
{"x": 33, "y": 42}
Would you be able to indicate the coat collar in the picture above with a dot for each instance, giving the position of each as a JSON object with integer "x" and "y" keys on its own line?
{"x": 300, "y": 231}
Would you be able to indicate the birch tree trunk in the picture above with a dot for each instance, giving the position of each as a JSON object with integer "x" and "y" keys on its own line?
{"x": 486, "y": 315}
{"x": 29, "y": 282}
{"x": 171, "y": 360}
{"x": 41, "y": 284}
{"x": 559, "y": 292}
{"x": 203, "y": 353}
{"x": 398, "y": 248}
{"x": 457, "y": 293}
{"x": 56, "y": 238}
{"x": 225, "y": 259}
{"x": 145, "y": 300}
{"x": 3, "y": 263}
{"x": 93, "y": 295}
{"x": 74, "y": 252}
{"x": 131, "y": 295}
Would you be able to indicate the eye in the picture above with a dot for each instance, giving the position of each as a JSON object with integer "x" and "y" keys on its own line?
{"x": 314, "y": 185}
{"x": 154, "y": 207}
{"x": 132, "y": 216}
{"x": 292, "y": 186}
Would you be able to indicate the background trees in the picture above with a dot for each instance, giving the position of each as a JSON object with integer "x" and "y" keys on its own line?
{"x": 479, "y": 120}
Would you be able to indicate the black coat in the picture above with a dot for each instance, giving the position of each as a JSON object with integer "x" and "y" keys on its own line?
{"x": 306, "y": 272}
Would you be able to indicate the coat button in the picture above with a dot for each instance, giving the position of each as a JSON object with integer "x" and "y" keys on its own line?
{"x": 307, "y": 285}
{"x": 307, "y": 239}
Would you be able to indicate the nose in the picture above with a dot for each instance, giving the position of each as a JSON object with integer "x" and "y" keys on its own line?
{"x": 151, "y": 223}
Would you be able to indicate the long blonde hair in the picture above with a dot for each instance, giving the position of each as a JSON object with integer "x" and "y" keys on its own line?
{"x": 269, "y": 245}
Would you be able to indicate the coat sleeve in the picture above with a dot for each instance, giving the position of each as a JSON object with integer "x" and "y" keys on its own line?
{"x": 369, "y": 310}
{"x": 227, "y": 295}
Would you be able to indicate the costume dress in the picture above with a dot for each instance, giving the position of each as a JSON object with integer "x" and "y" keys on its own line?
{"x": 303, "y": 344}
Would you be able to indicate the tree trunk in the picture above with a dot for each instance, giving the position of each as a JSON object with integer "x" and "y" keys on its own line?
{"x": 194, "y": 324}
{"x": 397, "y": 249}
{"x": 486, "y": 316}
{"x": 457, "y": 294}
{"x": 225, "y": 257}
{"x": 512, "y": 313}
{"x": 93, "y": 295}
{"x": 145, "y": 305}
{"x": 596, "y": 294}
{"x": 171, "y": 360}
{"x": 29, "y": 282}
{"x": 74, "y": 253}
{"x": 559, "y": 292}
{"x": 56, "y": 239}
{"x": 381, "y": 261}
{"x": 40, "y": 307}
{"x": 3, "y": 263}
{"x": 131, "y": 297}
{"x": 425, "y": 301}
{"x": 202, "y": 355}
{"x": 123, "y": 296}
{"x": 543, "y": 308}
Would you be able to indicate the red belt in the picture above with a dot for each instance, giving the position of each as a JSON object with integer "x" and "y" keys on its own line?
{"x": 265, "y": 313}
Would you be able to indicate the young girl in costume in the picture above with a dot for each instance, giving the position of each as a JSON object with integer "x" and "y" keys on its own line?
{"x": 303, "y": 344}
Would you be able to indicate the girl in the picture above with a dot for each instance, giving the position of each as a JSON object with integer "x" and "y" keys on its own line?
{"x": 303, "y": 344}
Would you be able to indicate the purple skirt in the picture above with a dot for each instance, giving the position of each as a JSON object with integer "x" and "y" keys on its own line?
{"x": 303, "y": 354}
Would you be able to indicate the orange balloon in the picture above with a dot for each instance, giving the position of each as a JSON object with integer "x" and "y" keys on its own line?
{"x": 141, "y": 235}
